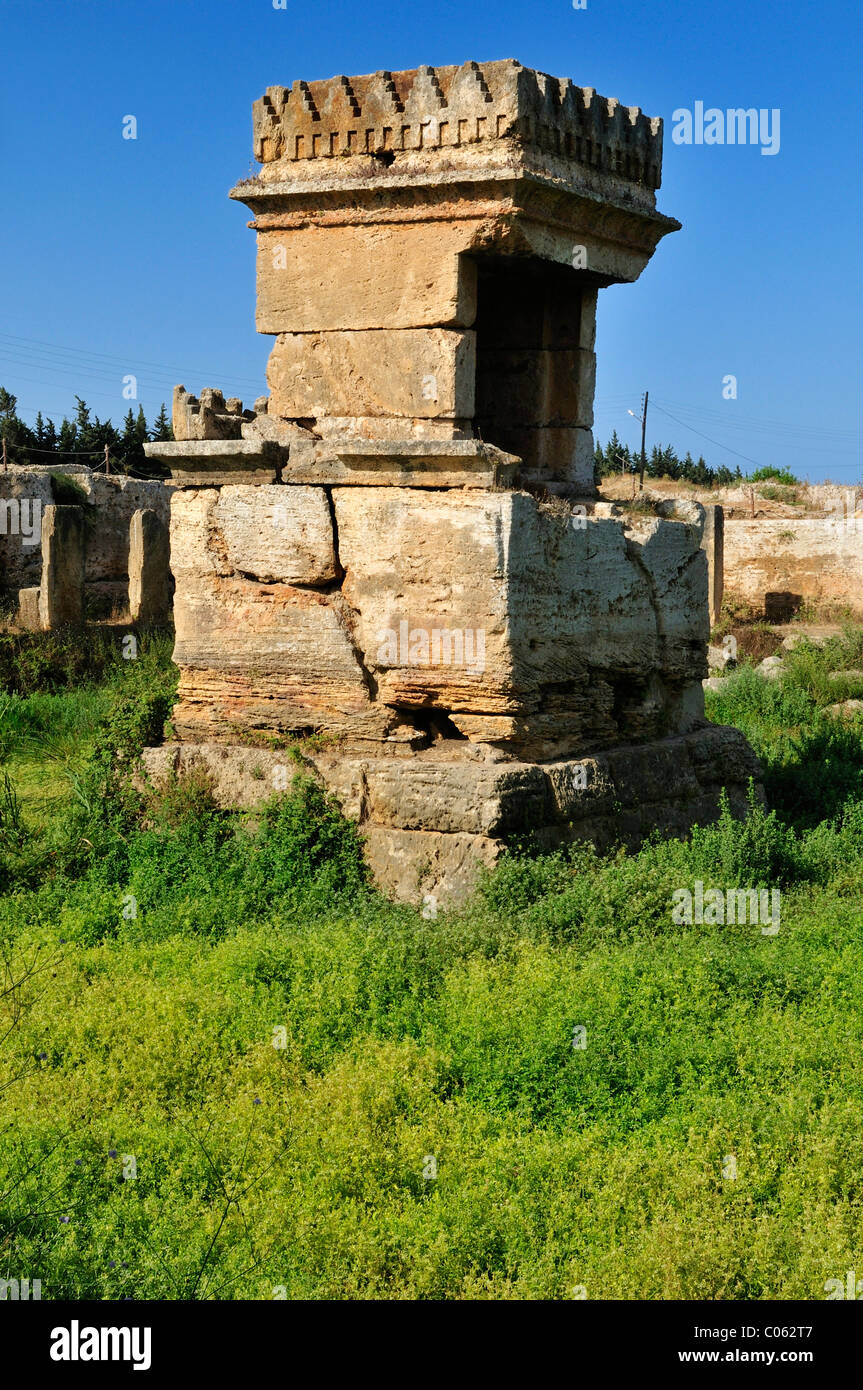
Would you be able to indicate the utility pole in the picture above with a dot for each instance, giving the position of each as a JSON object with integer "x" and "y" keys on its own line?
{"x": 643, "y": 436}
{"x": 107, "y": 462}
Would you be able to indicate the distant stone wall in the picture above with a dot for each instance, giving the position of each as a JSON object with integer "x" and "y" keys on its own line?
{"x": 814, "y": 559}
{"x": 114, "y": 501}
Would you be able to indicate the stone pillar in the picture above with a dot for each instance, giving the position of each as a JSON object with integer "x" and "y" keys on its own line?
{"x": 714, "y": 546}
{"x": 449, "y": 294}
{"x": 61, "y": 594}
{"x": 372, "y": 558}
{"x": 149, "y": 570}
{"x": 28, "y": 609}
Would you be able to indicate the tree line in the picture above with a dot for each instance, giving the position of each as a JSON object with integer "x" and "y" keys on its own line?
{"x": 82, "y": 439}
{"x": 663, "y": 461}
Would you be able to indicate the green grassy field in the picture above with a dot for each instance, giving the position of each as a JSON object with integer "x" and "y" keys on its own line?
{"x": 229, "y": 1069}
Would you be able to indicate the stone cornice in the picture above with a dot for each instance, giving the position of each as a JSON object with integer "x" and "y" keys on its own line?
{"x": 439, "y": 111}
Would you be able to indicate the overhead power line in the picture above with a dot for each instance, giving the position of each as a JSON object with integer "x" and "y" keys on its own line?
{"x": 745, "y": 457}
{"x": 127, "y": 360}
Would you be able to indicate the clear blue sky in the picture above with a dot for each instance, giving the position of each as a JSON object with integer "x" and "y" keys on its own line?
{"x": 123, "y": 256}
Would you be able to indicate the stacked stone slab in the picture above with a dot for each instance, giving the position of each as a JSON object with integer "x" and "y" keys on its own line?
{"x": 399, "y": 549}
{"x": 418, "y": 234}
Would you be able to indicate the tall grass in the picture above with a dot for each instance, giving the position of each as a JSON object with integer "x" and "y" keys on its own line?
{"x": 230, "y": 1069}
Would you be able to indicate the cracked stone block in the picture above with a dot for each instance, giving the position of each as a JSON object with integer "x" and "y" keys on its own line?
{"x": 277, "y": 534}
{"x": 553, "y": 628}
{"x": 256, "y": 654}
{"x": 268, "y": 533}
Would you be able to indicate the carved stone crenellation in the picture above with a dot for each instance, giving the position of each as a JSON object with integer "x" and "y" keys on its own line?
{"x": 446, "y": 108}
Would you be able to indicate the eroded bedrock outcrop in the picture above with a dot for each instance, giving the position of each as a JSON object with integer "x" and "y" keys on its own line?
{"x": 399, "y": 549}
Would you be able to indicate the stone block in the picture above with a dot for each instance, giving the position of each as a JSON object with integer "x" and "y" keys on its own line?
{"x": 150, "y": 586}
{"x": 418, "y": 373}
{"x": 214, "y": 462}
{"x": 369, "y": 275}
{"x": 275, "y": 534}
{"x": 533, "y": 387}
{"x": 61, "y": 593}
{"x": 452, "y": 794}
{"x": 271, "y": 534}
{"x": 419, "y": 463}
{"x": 529, "y": 623}
{"x": 428, "y": 867}
{"x": 264, "y": 655}
{"x": 28, "y": 610}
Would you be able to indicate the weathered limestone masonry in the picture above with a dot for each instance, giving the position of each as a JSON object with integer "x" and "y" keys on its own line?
{"x": 713, "y": 544}
{"x": 108, "y": 506}
{"x": 61, "y": 592}
{"x": 808, "y": 559}
{"x": 399, "y": 549}
{"x": 149, "y": 569}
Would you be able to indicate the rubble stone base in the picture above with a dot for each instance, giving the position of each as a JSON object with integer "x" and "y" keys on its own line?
{"x": 432, "y": 821}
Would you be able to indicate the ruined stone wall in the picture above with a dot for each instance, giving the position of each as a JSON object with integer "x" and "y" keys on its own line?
{"x": 813, "y": 559}
{"x": 113, "y": 501}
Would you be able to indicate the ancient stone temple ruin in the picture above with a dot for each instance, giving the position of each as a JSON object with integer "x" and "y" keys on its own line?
{"x": 396, "y": 562}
